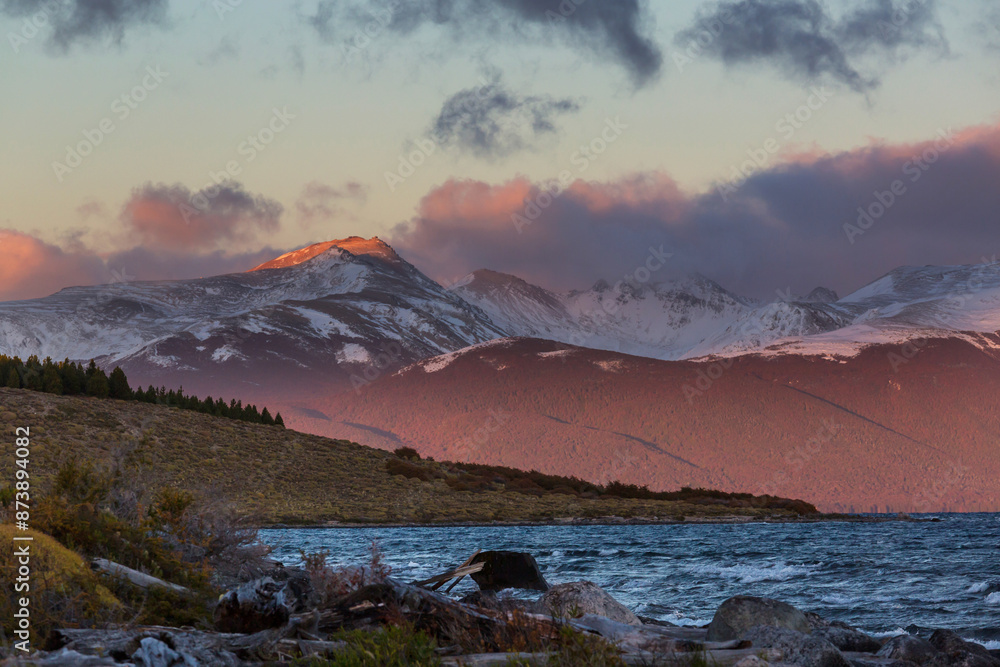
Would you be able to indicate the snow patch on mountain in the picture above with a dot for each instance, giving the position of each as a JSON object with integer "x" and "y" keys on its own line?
{"x": 661, "y": 320}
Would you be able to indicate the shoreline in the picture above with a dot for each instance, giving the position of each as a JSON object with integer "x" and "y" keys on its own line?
{"x": 609, "y": 521}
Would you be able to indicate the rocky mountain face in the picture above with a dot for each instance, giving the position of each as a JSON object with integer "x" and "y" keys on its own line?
{"x": 332, "y": 313}
{"x": 697, "y": 318}
{"x": 845, "y": 402}
{"x": 662, "y": 320}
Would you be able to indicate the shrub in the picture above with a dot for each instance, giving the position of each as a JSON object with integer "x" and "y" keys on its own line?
{"x": 409, "y": 470}
{"x": 65, "y": 592}
{"x": 333, "y": 584}
{"x": 400, "y": 646}
{"x": 408, "y": 453}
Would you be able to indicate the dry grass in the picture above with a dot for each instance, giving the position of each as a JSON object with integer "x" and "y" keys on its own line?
{"x": 64, "y": 592}
{"x": 283, "y": 476}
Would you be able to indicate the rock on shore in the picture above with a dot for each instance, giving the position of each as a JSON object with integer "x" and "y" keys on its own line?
{"x": 280, "y": 614}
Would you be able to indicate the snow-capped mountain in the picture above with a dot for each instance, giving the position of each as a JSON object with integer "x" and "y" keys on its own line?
{"x": 660, "y": 320}
{"x": 696, "y": 318}
{"x": 908, "y": 303}
{"x": 353, "y": 308}
{"x": 339, "y": 308}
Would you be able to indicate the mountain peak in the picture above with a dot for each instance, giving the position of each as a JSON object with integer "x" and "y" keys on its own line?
{"x": 822, "y": 295}
{"x": 488, "y": 278}
{"x": 356, "y": 245}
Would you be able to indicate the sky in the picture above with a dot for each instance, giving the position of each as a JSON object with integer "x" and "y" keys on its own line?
{"x": 771, "y": 146}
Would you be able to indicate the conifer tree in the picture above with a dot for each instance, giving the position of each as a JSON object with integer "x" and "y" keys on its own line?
{"x": 97, "y": 384}
{"x": 51, "y": 382}
{"x": 118, "y": 385}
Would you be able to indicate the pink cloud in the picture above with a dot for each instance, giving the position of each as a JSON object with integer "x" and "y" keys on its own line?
{"x": 216, "y": 218}
{"x": 167, "y": 232}
{"x": 30, "y": 267}
{"x": 784, "y": 227}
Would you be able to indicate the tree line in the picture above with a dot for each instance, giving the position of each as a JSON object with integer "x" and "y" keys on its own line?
{"x": 67, "y": 378}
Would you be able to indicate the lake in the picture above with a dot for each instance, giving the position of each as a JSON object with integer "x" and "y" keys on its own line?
{"x": 881, "y": 577}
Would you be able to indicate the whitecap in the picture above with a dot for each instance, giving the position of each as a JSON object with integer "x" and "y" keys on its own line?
{"x": 990, "y": 644}
{"x": 978, "y": 588}
{"x": 841, "y": 600}
{"x": 993, "y": 598}
{"x": 752, "y": 574}
{"x": 888, "y": 633}
{"x": 684, "y": 621}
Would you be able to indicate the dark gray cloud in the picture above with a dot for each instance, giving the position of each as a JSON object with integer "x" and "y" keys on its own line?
{"x": 600, "y": 28}
{"x": 987, "y": 25}
{"x": 805, "y": 41}
{"x": 72, "y": 21}
{"x": 491, "y": 121}
{"x": 833, "y": 220}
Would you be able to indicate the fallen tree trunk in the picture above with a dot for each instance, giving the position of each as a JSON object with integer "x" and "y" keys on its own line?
{"x": 135, "y": 577}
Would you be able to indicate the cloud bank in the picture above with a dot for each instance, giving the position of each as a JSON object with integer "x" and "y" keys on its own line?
{"x": 166, "y": 232}
{"x": 837, "y": 220}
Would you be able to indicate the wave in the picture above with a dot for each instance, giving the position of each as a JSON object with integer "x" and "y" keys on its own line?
{"x": 752, "y": 574}
{"x": 993, "y": 598}
{"x": 839, "y": 600}
{"x": 888, "y": 633}
{"x": 978, "y": 588}
{"x": 989, "y": 644}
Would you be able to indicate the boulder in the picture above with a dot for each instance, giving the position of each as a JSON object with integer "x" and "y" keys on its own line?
{"x": 508, "y": 569}
{"x": 815, "y": 620}
{"x": 797, "y": 648}
{"x": 737, "y": 615}
{"x": 909, "y": 648}
{"x": 578, "y": 598}
{"x": 846, "y": 638}
{"x": 961, "y": 652}
{"x": 254, "y": 606}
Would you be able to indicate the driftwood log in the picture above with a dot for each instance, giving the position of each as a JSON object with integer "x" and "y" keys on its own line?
{"x": 135, "y": 577}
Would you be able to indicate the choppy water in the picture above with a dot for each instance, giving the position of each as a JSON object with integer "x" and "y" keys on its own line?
{"x": 881, "y": 577}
